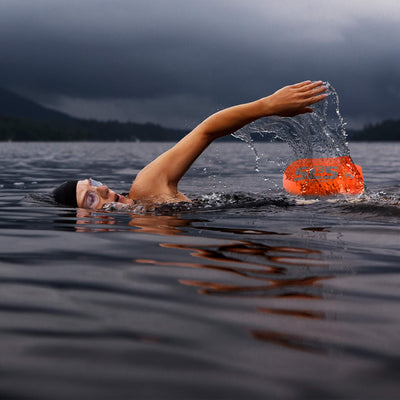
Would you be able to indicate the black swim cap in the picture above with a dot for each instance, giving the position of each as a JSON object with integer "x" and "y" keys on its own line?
{"x": 66, "y": 193}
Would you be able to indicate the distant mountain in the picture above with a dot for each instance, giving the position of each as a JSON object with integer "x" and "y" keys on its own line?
{"x": 13, "y": 105}
{"x": 24, "y": 120}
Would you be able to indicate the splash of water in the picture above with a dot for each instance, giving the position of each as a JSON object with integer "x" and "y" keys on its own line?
{"x": 210, "y": 201}
{"x": 312, "y": 135}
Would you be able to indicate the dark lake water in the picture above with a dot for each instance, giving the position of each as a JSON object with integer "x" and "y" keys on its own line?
{"x": 251, "y": 294}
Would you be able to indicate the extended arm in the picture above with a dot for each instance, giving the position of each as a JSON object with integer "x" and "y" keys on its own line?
{"x": 161, "y": 176}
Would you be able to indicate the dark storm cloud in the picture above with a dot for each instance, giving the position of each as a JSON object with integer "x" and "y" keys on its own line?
{"x": 212, "y": 53}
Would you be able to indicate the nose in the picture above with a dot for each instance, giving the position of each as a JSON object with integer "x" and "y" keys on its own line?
{"x": 104, "y": 191}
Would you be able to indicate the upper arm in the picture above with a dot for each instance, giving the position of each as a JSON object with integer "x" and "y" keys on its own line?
{"x": 163, "y": 174}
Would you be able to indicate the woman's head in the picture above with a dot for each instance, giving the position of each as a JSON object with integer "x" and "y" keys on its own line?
{"x": 86, "y": 193}
{"x": 66, "y": 193}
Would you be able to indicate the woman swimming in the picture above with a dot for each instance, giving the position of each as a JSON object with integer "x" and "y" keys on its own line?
{"x": 157, "y": 183}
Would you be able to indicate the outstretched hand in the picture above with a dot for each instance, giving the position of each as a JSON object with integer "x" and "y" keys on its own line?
{"x": 296, "y": 99}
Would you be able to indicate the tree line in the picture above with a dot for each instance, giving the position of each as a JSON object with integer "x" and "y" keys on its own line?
{"x": 21, "y": 129}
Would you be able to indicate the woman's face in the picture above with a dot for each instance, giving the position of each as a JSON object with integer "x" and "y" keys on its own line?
{"x": 92, "y": 194}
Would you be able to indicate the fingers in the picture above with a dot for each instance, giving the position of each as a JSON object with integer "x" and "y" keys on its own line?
{"x": 312, "y": 86}
{"x": 301, "y": 84}
{"x": 307, "y": 110}
{"x": 311, "y": 91}
{"x": 297, "y": 99}
{"x": 314, "y": 93}
{"x": 306, "y": 85}
{"x": 316, "y": 99}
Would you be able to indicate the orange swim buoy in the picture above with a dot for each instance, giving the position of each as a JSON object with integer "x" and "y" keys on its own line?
{"x": 323, "y": 177}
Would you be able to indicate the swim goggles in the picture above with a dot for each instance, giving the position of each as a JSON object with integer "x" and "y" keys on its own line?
{"x": 95, "y": 183}
{"x": 92, "y": 199}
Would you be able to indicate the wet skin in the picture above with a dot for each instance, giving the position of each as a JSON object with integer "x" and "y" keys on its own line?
{"x": 94, "y": 197}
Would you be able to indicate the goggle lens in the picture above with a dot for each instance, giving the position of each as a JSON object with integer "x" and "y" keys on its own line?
{"x": 91, "y": 200}
{"x": 95, "y": 183}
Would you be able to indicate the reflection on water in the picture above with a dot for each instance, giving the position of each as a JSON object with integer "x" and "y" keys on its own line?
{"x": 161, "y": 225}
{"x": 259, "y": 270}
{"x": 272, "y": 266}
{"x": 102, "y": 221}
{"x": 264, "y": 272}
{"x": 295, "y": 342}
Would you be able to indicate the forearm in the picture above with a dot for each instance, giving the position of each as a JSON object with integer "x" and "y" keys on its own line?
{"x": 286, "y": 102}
{"x": 231, "y": 119}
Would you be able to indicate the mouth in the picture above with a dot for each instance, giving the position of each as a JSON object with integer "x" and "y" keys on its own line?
{"x": 118, "y": 198}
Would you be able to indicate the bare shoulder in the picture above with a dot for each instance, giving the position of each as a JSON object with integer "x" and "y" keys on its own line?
{"x": 146, "y": 185}
{"x": 151, "y": 185}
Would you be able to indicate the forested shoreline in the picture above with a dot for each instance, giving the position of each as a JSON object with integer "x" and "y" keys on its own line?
{"x": 22, "y": 119}
{"x": 21, "y": 129}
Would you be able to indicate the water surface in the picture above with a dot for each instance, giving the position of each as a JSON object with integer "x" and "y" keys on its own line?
{"x": 249, "y": 294}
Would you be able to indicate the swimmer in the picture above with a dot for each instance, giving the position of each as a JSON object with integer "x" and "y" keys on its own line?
{"x": 157, "y": 183}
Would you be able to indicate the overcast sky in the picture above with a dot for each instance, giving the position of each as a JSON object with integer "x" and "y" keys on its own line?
{"x": 175, "y": 61}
